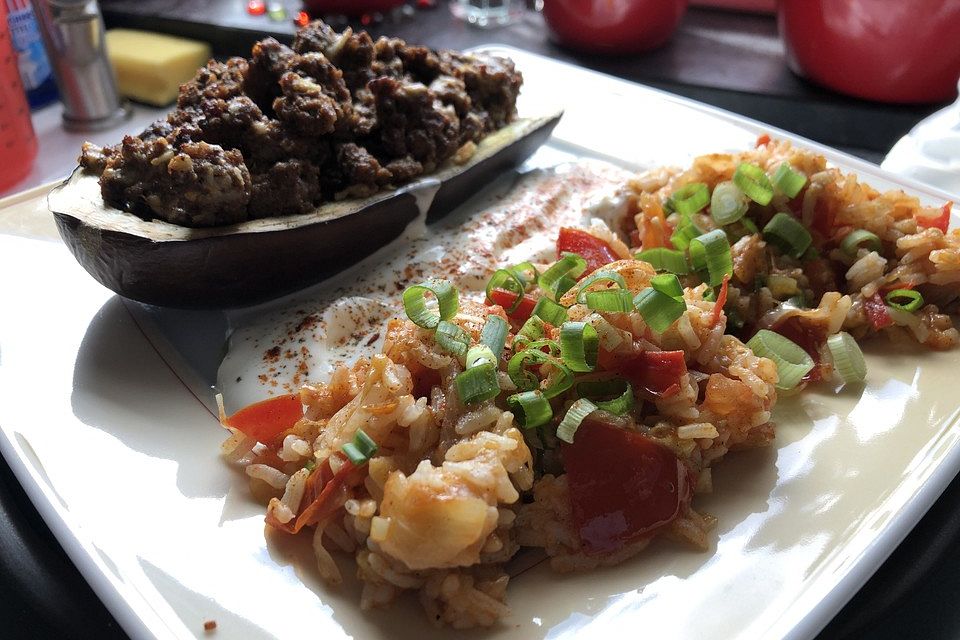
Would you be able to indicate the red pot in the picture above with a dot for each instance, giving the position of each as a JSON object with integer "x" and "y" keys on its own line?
{"x": 350, "y": 7}
{"x": 905, "y": 51}
{"x": 613, "y": 26}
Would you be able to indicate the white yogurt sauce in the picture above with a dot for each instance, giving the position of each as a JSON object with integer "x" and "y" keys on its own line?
{"x": 279, "y": 347}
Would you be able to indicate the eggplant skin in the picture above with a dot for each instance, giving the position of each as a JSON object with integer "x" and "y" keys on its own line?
{"x": 233, "y": 270}
{"x": 230, "y": 267}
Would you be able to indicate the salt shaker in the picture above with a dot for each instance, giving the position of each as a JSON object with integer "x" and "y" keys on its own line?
{"x": 74, "y": 38}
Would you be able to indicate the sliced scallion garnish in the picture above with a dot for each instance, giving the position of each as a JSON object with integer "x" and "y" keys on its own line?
{"x": 847, "y": 357}
{"x": 599, "y": 276}
{"x": 668, "y": 284}
{"x": 549, "y": 311}
{"x": 904, "y": 299}
{"x": 664, "y": 259}
{"x": 561, "y": 275}
{"x": 788, "y": 234}
{"x": 477, "y": 383}
{"x": 494, "y": 334}
{"x": 610, "y": 301}
{"x": 452, "y": 339}
{"x": 532, "y": 329}
{"x": 691, "y": 198}
{"x": 361, "y": 449}
{"x": 658, "y": 309}
{"x": 792, "y": 361}
{"x": 727, "y": 204}
{"x": 860, "y": 238}
{"x": 579, "y": 346}
{"x": 530, "y": 408}
{"x": 415, "y": 303}
{"x": 752, "y": 180}
{"x": 788, "y": 181}
{"x": 711, "y": 251}
{"x": 576, "y": 414}
{"x": 534, "y": 354}
{"x": 684, "y": 233}
{"x": 621, "y": 390}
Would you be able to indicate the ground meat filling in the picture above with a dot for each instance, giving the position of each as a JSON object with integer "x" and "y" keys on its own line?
{"x": 337, "y": 115}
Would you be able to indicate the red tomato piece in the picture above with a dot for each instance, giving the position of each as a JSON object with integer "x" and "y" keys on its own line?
{"x": 877, "y": 312}
{"x": 506, "y": 299}
{"x": 941, "y": 222}
{"x": 657, "y": 372}
{"x": 623, "y": 485}
{"x": 267, "y": 419}
{"x": 763, "y": 139}
{"x": 591, "y": 248}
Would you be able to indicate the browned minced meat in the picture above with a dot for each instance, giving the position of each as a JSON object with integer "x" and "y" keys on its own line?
{"x": 336, "y": 115}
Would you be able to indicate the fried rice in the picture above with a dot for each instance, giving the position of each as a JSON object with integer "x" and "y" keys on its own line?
{"x": 451, "y": 490}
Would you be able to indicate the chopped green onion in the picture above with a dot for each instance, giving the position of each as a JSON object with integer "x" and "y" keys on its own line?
{"x": 788, "y": 233}
{"x": 610, "y": 301}
{"x": 477, "y": 383}
{"x": 792, "y": 361}
{"x": 526, "y": 381}
{"x": 561, "y": 275}
{"x": 684, "y": 233}
{"x": 514, "y": 280}
{"x": 810, "y": 254}
{"x": 749, "y": 224}
{"x": 860, "y": 238}
{"x": 494, "y": 334}
{"x": 711, "y": 251}
{"x": 669, "y": 284}
{"x": 788, "y": 181}
{"x": 361, "y": 449}
{"x": 480, "y": 354}
{"x": 663, "y": 259}
{"x": 415, "y": 303}
{"x": 310, "y": 465}
{"x": 622, "y": 391}
{"x": 599, "y": 276}
{"x": 904, "y": 299}
{"x": 752, "y": 180}
{"x": 452, "y": 339}
{"x": 579, "y": 346}
{"x": 691, "y": 198}
{"x": 532, "y": 329}
{"x": 710, "y": 295}
{"x": 530, "y": 408}
{"x": 847, "y": 357}
{"x": 728, "y": 204}
{"x": 658, "y": 309}
{"x": 549, "y": 311}
{"x": 576, "y": 414}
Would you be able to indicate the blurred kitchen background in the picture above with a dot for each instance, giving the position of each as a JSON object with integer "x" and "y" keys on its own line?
{"x": 853, "y": 74}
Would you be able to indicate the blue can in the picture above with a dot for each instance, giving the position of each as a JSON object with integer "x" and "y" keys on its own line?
{"x": 35, "y": 70}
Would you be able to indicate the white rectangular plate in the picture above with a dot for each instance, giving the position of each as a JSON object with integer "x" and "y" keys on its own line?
{"x": 104, "y": 418}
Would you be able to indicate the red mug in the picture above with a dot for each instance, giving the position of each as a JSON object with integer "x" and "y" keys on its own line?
{"x": 613, "y": 26}
{"x": 905, "y": 51}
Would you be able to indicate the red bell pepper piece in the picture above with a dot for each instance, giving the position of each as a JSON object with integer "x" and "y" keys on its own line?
{"x": 267, "y": 419}
{"x": 322, "y": 487}
{"x": 877, "y": 312}
{"x": 506, "y": 299}
{"x": 657, "y": 372}
{"x": 591, "y": 248}
{"x": 763, "y": 139}
{"x": 623, "y": 485}
{"x": 941, "y": 222}
{"x": 721, "y": 301}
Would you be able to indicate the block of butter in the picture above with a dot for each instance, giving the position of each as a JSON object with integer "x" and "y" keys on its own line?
{"x": 150, "y": 67}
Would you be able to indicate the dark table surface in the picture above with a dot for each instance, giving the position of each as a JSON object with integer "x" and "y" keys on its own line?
{"x": 730, "y": 60}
